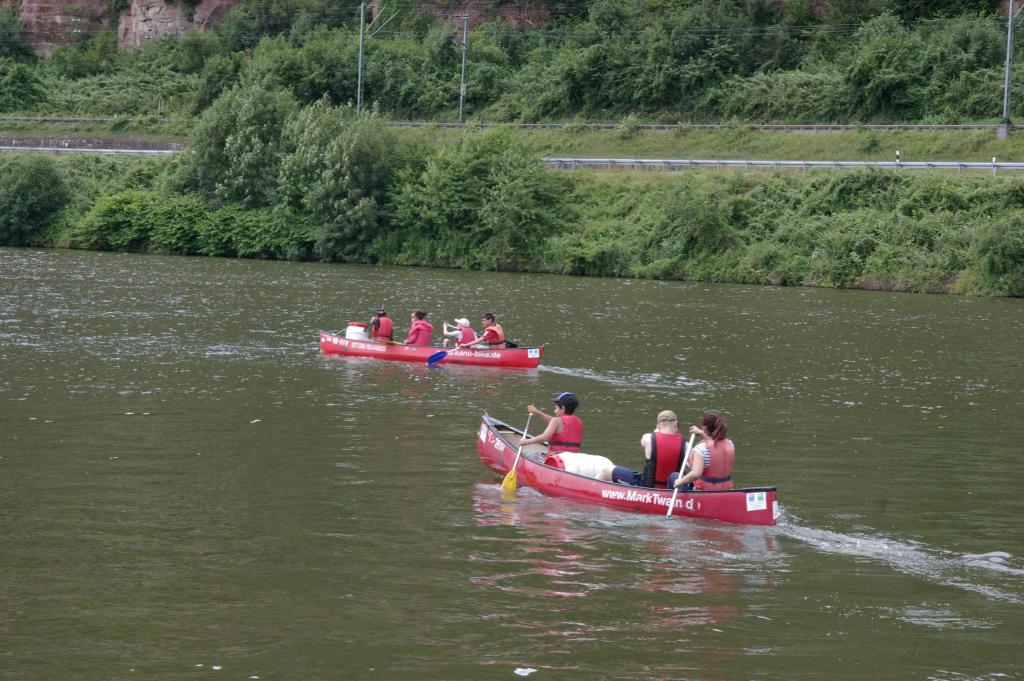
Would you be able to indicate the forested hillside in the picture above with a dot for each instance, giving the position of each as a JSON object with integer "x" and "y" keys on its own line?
{"x": 280, "y": 163}
{"x": 805, "y": 61}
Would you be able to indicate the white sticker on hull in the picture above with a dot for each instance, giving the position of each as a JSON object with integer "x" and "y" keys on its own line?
{"x": 533, "y": 353}
{"x": 756, "y": 501}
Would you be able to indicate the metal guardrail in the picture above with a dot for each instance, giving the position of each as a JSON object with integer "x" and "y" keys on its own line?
{"x": 777, "y": 127}
{"x": 713, "y": 126}
{"x": 90, "y": 150}
{"x": 676, "y": 165}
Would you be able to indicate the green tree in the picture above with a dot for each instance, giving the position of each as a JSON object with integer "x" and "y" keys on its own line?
{"x": 11, "y": 44}
{"x": 32, "y": 193}
{"x": 487, "y": 203}
{"x": 339, "y": 169}
{"x": 20, "y": 86}
{"x": 235, "y": 150}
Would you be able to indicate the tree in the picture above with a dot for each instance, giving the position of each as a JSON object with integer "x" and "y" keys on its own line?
{"x": 11, "y": 44}
{"x": 32, "y": 192}
{"x": 339, "y": 169}
{"x": 236, "y": 147}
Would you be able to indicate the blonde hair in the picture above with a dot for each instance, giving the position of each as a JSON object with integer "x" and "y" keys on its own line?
{"x": 667, "y": 415}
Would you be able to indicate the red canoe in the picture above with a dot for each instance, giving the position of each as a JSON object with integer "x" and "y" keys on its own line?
{"x": 333, "y": 344}
{"x": 497, "y": 444}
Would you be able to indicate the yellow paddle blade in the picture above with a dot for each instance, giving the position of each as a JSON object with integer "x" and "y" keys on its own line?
{"x": 509, "y": 483}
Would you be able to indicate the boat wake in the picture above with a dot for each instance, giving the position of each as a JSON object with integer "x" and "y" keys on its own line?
{"x": 970, "y": 572}
{"x": 653, "y": 381}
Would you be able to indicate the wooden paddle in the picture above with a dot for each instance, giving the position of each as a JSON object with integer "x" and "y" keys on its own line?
{"x": 686, "y": 459}
{"x": 509, "y": 483}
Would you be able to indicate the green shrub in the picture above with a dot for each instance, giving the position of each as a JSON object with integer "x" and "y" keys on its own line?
{"x": 20, "y": 86}
{"x": 999, "y": 249}
{"x": 32, "y": 193}
{"x": 121, "y": 222}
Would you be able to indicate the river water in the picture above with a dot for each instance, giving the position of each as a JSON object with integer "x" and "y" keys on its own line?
{"x": 189, "y": 488}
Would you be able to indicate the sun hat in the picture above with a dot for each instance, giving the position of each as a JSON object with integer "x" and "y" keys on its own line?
{"x": 462, "y": 320}
{"x": 667, "y": 415}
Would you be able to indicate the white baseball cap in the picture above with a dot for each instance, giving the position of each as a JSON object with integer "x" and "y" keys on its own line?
{"x": 462, "y": 320}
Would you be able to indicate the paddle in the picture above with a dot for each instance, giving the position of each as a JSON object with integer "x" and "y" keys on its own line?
{"x": 437, "y": 357}
{"x": 509, "y": 483}
{"x": 686, "y": 459}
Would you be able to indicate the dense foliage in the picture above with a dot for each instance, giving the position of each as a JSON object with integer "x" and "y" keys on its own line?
{"x": 809, "y": 61}
{"x": 280, "y": 165}
{"x": 486, "y": 202}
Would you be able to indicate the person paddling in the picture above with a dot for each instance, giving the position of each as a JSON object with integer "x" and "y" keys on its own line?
{"x": 663, "y": 455}
{"x": 493, "y": 335}
{"x": 463, "y": 333}
{"x": 711, "y": 461}
{"x": 564, "y": 432}
{"x": 381, "y": 325}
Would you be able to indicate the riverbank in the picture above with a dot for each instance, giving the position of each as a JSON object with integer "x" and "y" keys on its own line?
{"x": 864, "y": 229}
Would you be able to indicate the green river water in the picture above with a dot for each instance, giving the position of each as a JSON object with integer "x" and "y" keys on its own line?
{"x": 190, "y": 490}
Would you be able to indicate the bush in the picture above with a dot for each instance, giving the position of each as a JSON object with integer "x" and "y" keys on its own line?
{"x": 236, "y": 146}
{"x": 999, "y": 249}
{"x": 32, "y": 193}
{"x": 121, "y": 222}
{"x": 11, "y": 44}
{"x": 339, "y": 169}
{"x": 20, "y": 87}
{"x": 486, "y": 203}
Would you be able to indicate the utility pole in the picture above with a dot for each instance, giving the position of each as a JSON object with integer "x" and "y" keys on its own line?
{"x": 362, "y": 42}
{"x": 1006, "y": 123}
{"x": 462, "y": 82}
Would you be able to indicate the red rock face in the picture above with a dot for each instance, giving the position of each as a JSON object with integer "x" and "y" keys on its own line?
{"x": 49, "y": 23}
{"x": 148, "y": 19}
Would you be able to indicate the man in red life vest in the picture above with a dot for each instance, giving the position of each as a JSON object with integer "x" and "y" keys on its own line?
{"x": 381, "y": 325}
{"x": 711, "y": 461}
{"x": 564, "y": 431}
{"x": 493, "y": 335}
{"x": 663, "y": 455}
{"x": 419, "y": 332}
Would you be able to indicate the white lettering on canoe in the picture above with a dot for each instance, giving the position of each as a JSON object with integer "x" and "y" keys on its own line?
{"x": 635, "y": 495}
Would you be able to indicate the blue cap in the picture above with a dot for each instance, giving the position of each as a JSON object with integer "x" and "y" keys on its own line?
{"x": 564, "y": 397}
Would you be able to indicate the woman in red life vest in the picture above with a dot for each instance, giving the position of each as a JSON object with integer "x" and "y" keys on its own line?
{"x": 419, "y": 332}
{"x": 663, "y": 455}
{"x": 564, "y": 431}
{"x": 493, "y": 335}
{"x": 711, "y": 461}
{"x": 381, "y": 324}
{"x": 463, "y": 333}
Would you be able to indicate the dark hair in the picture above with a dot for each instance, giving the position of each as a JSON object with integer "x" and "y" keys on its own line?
{"x": 419, "y": 314}
{"x": 714, "y": 424}
{"x": 489, "y": 316}
{"x": 567, "y": 401}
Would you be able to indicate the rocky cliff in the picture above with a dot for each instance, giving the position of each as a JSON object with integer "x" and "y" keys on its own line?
{"x": 49, "y": 23}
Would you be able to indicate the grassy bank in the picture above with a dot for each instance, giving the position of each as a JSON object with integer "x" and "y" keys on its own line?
{"x": 477, "y": 204}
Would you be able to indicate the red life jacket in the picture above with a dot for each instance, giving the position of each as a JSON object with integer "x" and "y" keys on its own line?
{"x": 419, "y": 333}
{"x": 385, "y": 329}
{"x": 498, "y": 339}
{"x": 717, "y": 474}
{"x": 666, "y": 457}
{"x": 571, "y": 436}
{"x": 468, "y": 335}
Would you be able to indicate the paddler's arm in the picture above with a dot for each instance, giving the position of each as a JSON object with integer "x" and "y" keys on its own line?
{"x": 553, "y": 425}
{"x": 696, "y": 468}
{"x": 532, "y": 409}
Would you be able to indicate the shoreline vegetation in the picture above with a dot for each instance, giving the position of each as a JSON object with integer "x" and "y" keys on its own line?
{"x": 483, "y": 200}
{"x": 277, "y": 163}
